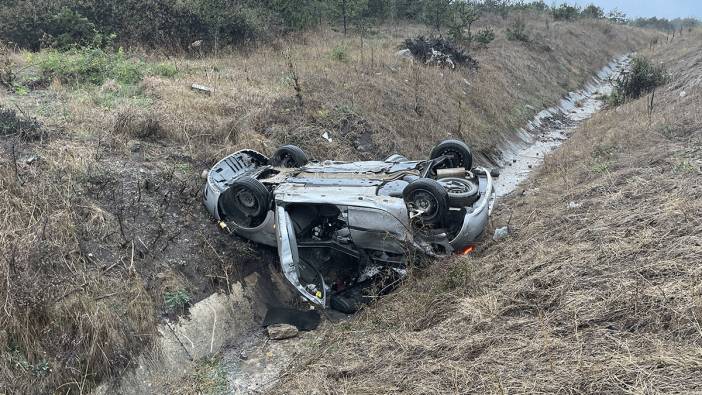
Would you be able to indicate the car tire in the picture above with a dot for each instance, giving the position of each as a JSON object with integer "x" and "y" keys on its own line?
{"x": 346, "y": 304}
{"x": 458, "y": 152}
{"x": 461, "y": 192}
{"x": 428, "y": 195}
{"x": 246, "y": 202}
{"x": 289, "y": 156}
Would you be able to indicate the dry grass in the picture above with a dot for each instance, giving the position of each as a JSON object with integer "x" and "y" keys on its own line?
{"x": 373, "y": 104}
{"x": 603, "y": 297}
{"x": 109, "y": 218}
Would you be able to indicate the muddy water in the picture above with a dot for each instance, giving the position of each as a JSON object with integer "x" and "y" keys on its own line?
{"x": 552, "y": 126}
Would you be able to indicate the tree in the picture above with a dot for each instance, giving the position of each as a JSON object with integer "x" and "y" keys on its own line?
{"x": 593, "y": 11}
{"x": 298, "y": 14}
{"x": 348, "y": 10}
{"x": 463, "y": 17}
{"x": 565, "y": 12}
{"x": 617, "y": 16}
{"x": 437, "y": 12}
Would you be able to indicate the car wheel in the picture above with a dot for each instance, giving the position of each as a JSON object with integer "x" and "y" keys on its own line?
{"x": 461, "y": 192}
{"x": 346, "y": 304}
{"x": 427, "y": 199}
{"x": 246, "y": 202}
{"x": 458, "y": 154}
{"x": 289, "y": 156}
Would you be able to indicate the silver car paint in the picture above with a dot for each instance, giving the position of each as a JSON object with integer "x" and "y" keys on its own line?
{"x": 376, "y": 222}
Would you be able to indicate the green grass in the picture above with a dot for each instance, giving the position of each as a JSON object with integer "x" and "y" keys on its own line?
{"x": 164, "y": 70}
{"x": 340, "y": 54}
{"x": 600, "y": 167}
{"x": 684, "y": 166}
{"x": 177, "y": 300}
{"x": 211, "y": 377}
{"x": 95, "y": 66}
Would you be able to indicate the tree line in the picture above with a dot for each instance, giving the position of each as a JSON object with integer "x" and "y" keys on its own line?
{"x": 176, "y": 24}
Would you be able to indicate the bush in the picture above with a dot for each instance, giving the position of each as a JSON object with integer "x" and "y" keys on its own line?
{"x": 177, "y": 300}
{"x": 174, "y": 24}
{"x": 69, "y": 28}
{"x": 643, "y": 77}
{"x": 87, "y": 65}
{"x": 438, "y": 51}
{"x": 340, "y": 54}
{"x": 485, "y": 36}
{"x": 565, "y": 12}
{"x": 95, "y": 66}
{"x": 517, "y": 31}
{"x": 593, "y": 11}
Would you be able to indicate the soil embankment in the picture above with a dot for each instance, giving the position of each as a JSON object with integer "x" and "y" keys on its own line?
{"x": 597, "y": 289}
{"x": 103, "y": 230}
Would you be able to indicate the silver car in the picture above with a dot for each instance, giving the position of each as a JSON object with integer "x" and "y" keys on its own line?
{"x": 339, "y": 225}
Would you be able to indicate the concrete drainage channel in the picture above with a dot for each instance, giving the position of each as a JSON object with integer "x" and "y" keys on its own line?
{"x": 552, "y": 126}
{"x": 231, "y": 324}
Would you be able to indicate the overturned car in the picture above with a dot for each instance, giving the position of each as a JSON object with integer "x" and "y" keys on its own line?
{"x": 338, "y": 225}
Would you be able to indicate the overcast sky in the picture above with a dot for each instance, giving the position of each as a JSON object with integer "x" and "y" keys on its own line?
{"x": 648, "y": 8}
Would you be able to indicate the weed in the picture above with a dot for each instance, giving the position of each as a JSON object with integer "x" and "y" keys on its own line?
{"x": 21, "y": 90}
{"x": 120, "y": 94}
{"x": 517, "y": 31}
{"x": 41, "y": 369}
{"x": 294, "y": 79}
{"x": 685, "y": 166}
{"x": 18, "y": 361}
{"x": 604, "y": 151}
{"x": 600, "y": 167}
{"x": 340, "y": 54}
{"x": 208, "y": 376}
{"x": 177, "y": 300}
{"x": 164, "y": 70}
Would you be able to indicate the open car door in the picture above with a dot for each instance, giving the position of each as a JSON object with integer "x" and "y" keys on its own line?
{"x": 294, "y": 269}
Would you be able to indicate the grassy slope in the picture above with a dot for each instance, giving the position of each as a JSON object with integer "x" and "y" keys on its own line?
{"x": 604, "y": 297}
{"x": 108, "y": 222}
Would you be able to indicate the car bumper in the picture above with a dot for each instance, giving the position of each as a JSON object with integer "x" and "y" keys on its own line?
{"x": 475, "y": 221}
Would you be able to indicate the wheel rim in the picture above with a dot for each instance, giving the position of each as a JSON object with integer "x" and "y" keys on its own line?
{"x": 456, "y": 187}
{"x": 455, "y": 158}
{"x": 286, "y": 160}
{"x": 425, "y": 201}
{"x": 247, "y": 202}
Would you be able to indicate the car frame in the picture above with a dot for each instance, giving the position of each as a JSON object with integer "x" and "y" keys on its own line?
{"x": 337, "y": 225}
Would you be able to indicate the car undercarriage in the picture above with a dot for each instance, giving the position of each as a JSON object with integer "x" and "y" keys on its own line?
{"x": 342, "y": 228}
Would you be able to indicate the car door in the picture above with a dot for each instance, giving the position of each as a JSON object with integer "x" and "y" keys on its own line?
{"x": 291, "y": 264}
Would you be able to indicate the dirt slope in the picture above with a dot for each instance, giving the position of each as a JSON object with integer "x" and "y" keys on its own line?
{"x": 597, "y": 290}
{"x": 102, "y": 232}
